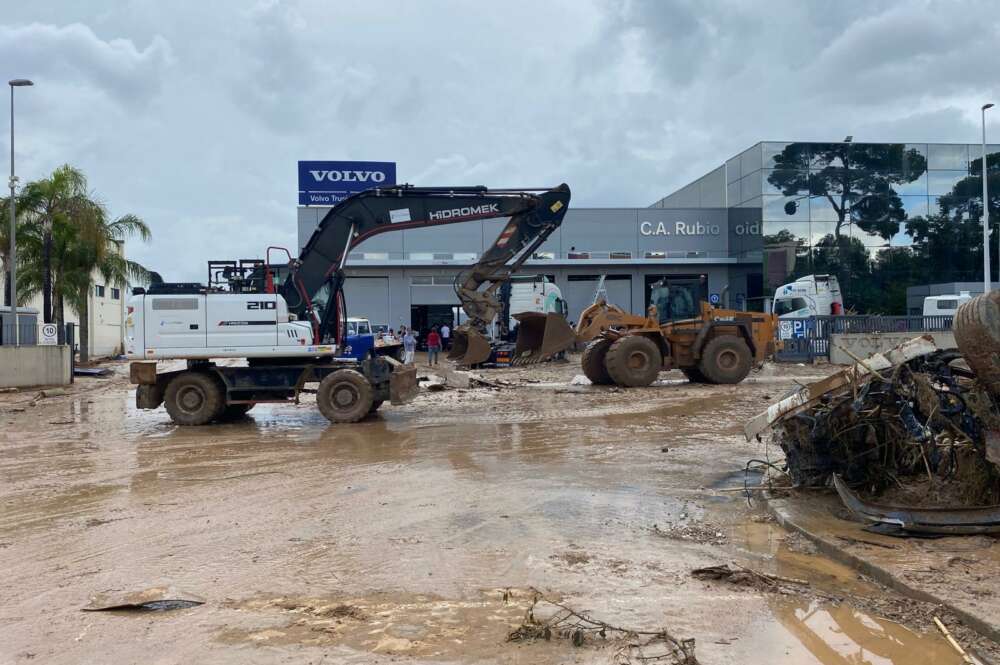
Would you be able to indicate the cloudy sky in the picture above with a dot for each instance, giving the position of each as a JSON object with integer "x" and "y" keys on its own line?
{"x": 193, "y": 114}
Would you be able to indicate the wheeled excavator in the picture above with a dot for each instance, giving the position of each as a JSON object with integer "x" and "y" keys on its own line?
{"x": 288, "y": 321}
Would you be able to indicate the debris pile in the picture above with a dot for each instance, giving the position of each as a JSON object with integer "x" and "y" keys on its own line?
{"x": 561, "y": 622}
{"x": 915, "y": 426}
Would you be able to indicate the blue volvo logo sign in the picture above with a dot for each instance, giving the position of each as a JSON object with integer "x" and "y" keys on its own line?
{"x": 328, "y": 183}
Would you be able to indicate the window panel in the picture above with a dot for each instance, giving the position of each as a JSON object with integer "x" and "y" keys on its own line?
{"x": 822, "y": 210}
{"x": 750, "y": 160}
{"x": 915, "y": 186}
{"x": 786, "y": 156}
{"x": 786, "y": 209}
{"x": 820, "y": 231}
{"x": 733, "y": 192}
{"x": 781, "y": 233}
{"x": 869, "y": 239}
{"x": 826, "y": 154}
{"x": 750, "y": 186}
{"x": 777, "y": 181}
{"x": 915, "y": 206}
{"x": 943, "y": 182}
{"x": 946, "y": 156}
{"x": 733, "y": 170}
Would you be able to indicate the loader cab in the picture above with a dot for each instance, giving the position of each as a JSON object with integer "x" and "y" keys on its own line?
{"x": 674, "y": 301}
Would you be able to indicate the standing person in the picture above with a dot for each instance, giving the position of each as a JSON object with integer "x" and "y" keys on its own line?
{"x": 433, "y": 346}
{"x": 409, "y": 347}
{"x": 445, "y": 337}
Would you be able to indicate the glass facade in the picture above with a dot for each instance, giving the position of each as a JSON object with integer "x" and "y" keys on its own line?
{"x": 881, "y": 216}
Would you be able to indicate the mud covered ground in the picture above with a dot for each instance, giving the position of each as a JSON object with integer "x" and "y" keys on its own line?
{"x": 418, "y": 536}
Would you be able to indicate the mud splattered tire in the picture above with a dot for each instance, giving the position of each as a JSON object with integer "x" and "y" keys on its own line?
{"x": 344, "y": 396}
{"x": 234, "y": 412}
{"x": 725, "y": 359}
{"x": 194, "y": 398}
{"x": 694, "y": 375}
{"x": 592, "y": 362}
{"x": 633, "y": 361}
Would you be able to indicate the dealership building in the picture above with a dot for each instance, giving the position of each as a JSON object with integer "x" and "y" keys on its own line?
{"x": 730, "y": 237}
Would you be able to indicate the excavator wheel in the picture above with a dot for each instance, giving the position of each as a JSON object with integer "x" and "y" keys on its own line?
{"x": 344, "y": 396}
{"x": 725, "y": 359}
{"x": 694, "y": 375}
{"x": 194, "y": 398}
{"x": 633, "y": 361}
{"x": 592, "y": 362}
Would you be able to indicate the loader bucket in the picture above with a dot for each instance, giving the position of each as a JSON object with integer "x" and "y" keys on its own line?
{"x": 403, "y": 385}
{"x": 469, "y": 347}
{"x": 541, "y": 336}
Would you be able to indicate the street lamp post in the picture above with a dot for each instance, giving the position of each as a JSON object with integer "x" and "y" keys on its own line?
{"x": 14, "y": 83}
{"x": 986, "y": 212}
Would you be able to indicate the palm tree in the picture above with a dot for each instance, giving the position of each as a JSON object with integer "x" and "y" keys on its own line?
{"x": 67, "y": 237}
{"x": 48, "y": 203}
{"x": 98, "y": 249}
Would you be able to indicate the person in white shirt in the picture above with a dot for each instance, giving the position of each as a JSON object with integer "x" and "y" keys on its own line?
{"x": 445, "y": 337}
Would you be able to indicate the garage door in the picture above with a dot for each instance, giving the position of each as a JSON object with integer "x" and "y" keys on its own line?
{"x": 368, "y": 298}
{"x": 579, "y": 292}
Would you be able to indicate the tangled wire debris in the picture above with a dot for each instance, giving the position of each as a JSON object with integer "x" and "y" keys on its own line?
{"x": 561, "y": 622}
{"x": 923, "y": 420}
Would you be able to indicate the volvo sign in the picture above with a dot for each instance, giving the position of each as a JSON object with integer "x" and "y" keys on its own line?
{"x": 329, "y": 183}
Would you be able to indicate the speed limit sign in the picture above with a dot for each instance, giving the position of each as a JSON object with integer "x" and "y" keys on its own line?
{"x": 49, "y": 335}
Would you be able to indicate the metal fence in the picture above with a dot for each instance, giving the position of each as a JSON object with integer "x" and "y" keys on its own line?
{"x": 807, "y": 339}
{"x": 31, "y": 333}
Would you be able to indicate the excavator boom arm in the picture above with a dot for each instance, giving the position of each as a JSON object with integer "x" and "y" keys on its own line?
{"x": 314, "y": 287}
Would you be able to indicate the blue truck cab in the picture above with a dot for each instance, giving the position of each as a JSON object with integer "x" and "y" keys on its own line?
{"x": 360, "y": 339}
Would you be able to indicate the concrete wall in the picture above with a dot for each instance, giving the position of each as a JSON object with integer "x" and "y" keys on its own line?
{"x": 27, "y": 366}
{"x": 863, "y": 345}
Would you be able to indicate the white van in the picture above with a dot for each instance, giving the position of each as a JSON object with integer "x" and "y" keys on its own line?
{"x": 945, "y": 305}
{"x": 812, "y": 295}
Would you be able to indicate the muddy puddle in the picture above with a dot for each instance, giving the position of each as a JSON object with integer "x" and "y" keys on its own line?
{"x": 848, "y": 631}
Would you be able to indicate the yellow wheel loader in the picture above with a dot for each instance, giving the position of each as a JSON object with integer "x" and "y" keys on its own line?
{"x": 719, "y": 346}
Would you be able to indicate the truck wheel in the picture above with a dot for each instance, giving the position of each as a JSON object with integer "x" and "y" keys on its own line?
{"x": 694, "y": 375}
{"x": 344, "y": 396}
{"x": 725, "y": 359}
{"x": 234, "y": 411}
{"x": 194, "y": 398}
{"x": 592, "y": 362}
{"x": 633, "y": 361}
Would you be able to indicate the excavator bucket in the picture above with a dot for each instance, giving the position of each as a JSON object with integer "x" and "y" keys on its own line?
{"x": 541, "y": 336}
{"x": 469, "y": 346}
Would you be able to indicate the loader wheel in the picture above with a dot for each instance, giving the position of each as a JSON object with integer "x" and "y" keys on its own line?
{"x": 633, "y": 361}
{"x": 234, "y": 412}
{"x": 725, "y": 359}
{"x": 694, "y": 375}
{"x": 344, "y": 396}
{"x": 375, "y": 406}
{"x": 592, "y": 362}
{"x": 194, "y": 398}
